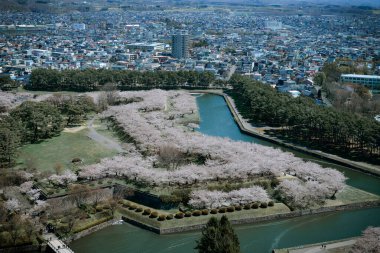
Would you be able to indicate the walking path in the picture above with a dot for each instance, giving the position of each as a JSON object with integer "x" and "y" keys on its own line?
{"x": 56, "y": 245}
{"x": 104, "y": 140}
{"x": 327, "y": 247}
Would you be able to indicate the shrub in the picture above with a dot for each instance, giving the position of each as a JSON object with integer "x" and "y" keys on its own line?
{"x": 132, "y": 207}
{"x": 91, "y": 184}
{"x": 109, "y": 182}
{"x": 76, "y": 160}
{"x": 125, "y": 203}
{"x": 197, "y": 213}
{"x": 99, "y": 208}
{"x": 179, "y": 215}
{"x": 274, "y": 182}
{"x": 222, "y": 210}
{"x": 204, "y": 212}
{"x": 50, "y": 192}
{"x": 188, "y": 214}
{"x": 264, "y": 205}
{"x": 247, "y": 206}
{"x": 255, "y": 205}
{"x": 147, "y": 211}
{"x": 153, "y": 215}
{"x": 139, "y": 209}
{"x": 230, "y": 209}
{"x": 214, "y": 211}
{"x": 100, "y": 182}
{"x": 270, "y": 203}
{"x": 169, "y": 217}
{"x": 162, "y": 217}
{"x": 238, "y": 208}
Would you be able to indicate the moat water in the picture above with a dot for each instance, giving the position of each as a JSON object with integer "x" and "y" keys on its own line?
{"x": 217, "y": 120}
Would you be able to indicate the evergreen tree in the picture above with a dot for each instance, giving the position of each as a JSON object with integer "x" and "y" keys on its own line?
{"x": 218, "y": 237}
{"x": 10, "y": 140}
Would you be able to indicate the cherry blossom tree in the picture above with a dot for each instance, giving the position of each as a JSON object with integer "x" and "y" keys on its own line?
{"x": 214, "y": 199}
{"x": 369, "y": 242}
{"x": 64, "y": 179}
{"x": 155, "y": 120}
{"x": 12, "y": 205}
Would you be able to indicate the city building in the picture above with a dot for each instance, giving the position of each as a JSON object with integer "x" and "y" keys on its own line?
{"x": 273, "y": 25}
{"x": 79, "y": 26}
{"x": 146, "y": 46}
{"x": 180, "y": 46}
{"x": 372, "y": 82}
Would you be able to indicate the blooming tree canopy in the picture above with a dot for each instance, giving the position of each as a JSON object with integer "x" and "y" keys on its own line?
{"x": 158, "y": 119}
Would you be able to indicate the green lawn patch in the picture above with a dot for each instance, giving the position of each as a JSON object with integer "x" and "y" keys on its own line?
{"x": 61, "y": 150}
{"x": 351, "y": 195}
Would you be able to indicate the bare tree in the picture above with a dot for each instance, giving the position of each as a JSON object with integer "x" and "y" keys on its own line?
{"x": 15, "y": 228}
{"x": 78, "y": 194}
{"x": 3, "y": 213}
{"x": 102, "y": 102}
{"x": 111, "y": 93}
{"x": 29, "y": 228}
{"x": 113, "y": 205}
{"x": 58, "y": 167}
{"x": 97, "y": 196}
{"x": 170, "y": 156}
{"x": 71, "y": 222}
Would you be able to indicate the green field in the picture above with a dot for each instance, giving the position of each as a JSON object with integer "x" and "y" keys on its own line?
{"x": 61, "y": 150}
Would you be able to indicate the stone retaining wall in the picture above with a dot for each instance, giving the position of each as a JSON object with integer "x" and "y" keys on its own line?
{"x": 253, "y": 220}
{"x": 318, "y": 154}
{"x": 20, "y": 249}
{"x": 90, "y": 230}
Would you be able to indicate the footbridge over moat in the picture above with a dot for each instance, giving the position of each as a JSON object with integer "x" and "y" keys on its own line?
{"x": 55, "y": 245}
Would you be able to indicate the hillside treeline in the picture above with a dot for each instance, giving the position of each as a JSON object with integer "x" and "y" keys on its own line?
{"x": 93, "y": 80}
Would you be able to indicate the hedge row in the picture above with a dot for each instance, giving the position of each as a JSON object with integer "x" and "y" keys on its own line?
{"x": 147, "y": 212}
{"x": 180, "y": 215}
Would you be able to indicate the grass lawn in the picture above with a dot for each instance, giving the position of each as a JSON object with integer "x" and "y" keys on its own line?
{"x": 352, "y": 195}
{"x": 62, "y": 149}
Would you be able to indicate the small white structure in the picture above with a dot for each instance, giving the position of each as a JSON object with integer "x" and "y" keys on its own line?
{"x": 295, "y": 93}
{"x": 79, "y": 26}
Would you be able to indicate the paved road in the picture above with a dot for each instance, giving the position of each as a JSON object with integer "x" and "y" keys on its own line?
{"x": 104, "y": 140}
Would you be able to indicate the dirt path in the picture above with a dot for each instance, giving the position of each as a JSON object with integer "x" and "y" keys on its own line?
{"x": 104, "y": 140}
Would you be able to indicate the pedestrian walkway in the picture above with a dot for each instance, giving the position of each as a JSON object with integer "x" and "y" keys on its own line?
{"x": 56, "y": 245}
{"x": 332, "y": 247}
{"x": 341, "y": 246}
